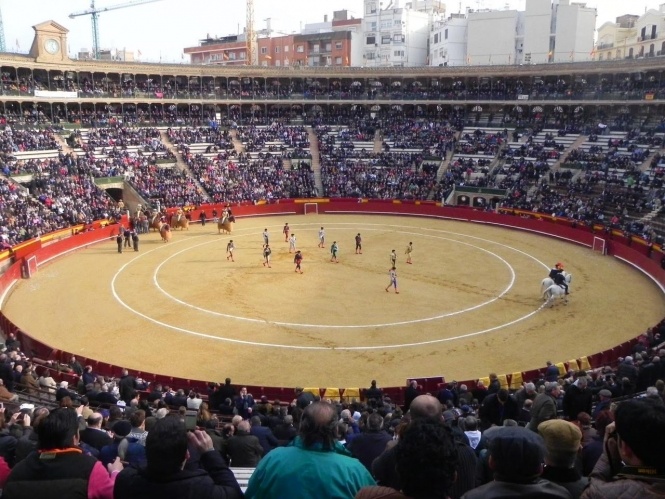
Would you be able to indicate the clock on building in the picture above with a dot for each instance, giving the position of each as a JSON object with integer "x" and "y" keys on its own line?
{"x": 52, "y": 46}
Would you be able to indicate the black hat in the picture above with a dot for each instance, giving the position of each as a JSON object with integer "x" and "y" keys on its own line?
{"x": 122, "y": 428}
{"x": 517, "y": 453}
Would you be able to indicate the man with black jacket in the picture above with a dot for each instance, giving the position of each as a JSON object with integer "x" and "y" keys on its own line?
{"x": 370, "y": 443}
{"x": 576, "y": 399}
{"x": 265, "y": 435}
{"x": 6, "y": 372}
{"x": 60, "y": 468}
{"x": 285, "y": 432}
{"x": 226, "y": 391}
{"x": 127, "y": 386}
{"x": 243, "y": 450}
{"x": 374, "y": 393}
{"x": 164, "y": 477}
{"x": 94, "y": 435}
{"x": 303, "y": 398}
{"x": 496, "y": 408}
{"x": 104, "y": 397}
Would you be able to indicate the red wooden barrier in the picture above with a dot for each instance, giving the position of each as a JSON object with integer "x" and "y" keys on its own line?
{"x": 634, "y": 251}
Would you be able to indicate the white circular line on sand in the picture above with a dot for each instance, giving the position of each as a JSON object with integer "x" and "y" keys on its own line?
{"x": 338, "y": 326}
{"x": 300, "y": 347}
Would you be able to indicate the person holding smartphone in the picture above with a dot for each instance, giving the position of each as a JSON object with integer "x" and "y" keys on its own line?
{"x": 633, "y": 462}
{"x": 167, "y": 476}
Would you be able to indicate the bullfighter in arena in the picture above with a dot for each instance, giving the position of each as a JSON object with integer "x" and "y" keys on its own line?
{"x": 298, "y": 260}
{"x": 393, "y": 280}
{"x": 266, "y": 255}
{"x": 334, "y": 249}
{"x": 322, "y": 237}
{"x": 229, "y": 250}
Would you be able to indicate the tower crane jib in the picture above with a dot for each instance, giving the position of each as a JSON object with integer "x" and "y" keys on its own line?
{"x": 94, "y": 12}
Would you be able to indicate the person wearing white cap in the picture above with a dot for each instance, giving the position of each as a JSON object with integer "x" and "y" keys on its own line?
{"x": 64, "y": 391}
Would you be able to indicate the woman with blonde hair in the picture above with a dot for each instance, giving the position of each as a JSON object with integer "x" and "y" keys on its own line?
{"x": 204, "y": 415}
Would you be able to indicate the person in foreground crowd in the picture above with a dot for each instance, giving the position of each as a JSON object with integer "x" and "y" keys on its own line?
{"x": 426, "y": 461}
{"x": 544, "y": 405}
{"x": 516, "y": 457}
{"x": 428, "y": 408}
{"x": 316, "y": 465}
{"x": 369, "y": 444}
{"x": 165, "y": 476}
{"x": 633, "y": 462}
{"x": 594, "y": 449}
{"x": 59, "y": 468}
{"x": 243, "y": 450}
{"x": 563, "y": 441}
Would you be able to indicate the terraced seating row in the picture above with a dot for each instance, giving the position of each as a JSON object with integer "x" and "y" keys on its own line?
{"x": 274, "y": 140}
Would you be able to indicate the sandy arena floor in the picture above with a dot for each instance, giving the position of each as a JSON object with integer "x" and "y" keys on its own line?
{"x": 469, "y": 305}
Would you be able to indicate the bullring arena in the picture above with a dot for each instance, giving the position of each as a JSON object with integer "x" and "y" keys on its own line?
{"x": 470, "y": 299}
{"x": 504, "y": 146}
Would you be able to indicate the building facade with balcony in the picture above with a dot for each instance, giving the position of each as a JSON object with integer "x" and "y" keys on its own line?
{"x": 614, "y": 38}
{"x": 320, "y": 44}
{"x": 332, "y": 48}
{"x": 632, "y": 37}
{"x": 650, "y": 29}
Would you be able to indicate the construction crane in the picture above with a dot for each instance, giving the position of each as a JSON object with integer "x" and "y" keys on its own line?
{"x": 251, "y": 38}
{"x": 3, "y": 48}
{"x": 94, "y": 12}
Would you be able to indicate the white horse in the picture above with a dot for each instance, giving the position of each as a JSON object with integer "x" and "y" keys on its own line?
{"x": 547, "y": 282}
{"x": 553, "y": 293}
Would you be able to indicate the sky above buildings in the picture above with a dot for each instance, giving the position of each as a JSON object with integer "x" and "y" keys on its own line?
{"x": 160, "y": 30}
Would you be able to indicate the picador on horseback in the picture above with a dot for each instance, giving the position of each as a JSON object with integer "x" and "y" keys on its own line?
{"x": 556, "y": 274}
